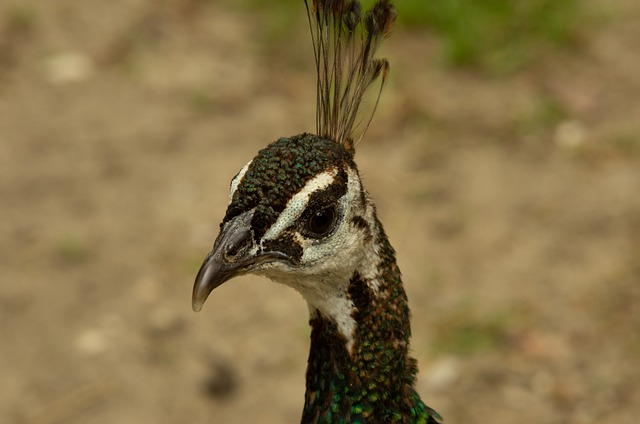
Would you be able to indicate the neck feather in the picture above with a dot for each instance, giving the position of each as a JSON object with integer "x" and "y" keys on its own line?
{"x": 370, "y": 376}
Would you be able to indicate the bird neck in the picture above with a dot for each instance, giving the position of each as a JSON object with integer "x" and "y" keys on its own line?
{"x": 368, "y": 374}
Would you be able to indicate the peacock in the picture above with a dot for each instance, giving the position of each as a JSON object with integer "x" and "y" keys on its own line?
{"x": 299, "y": 215}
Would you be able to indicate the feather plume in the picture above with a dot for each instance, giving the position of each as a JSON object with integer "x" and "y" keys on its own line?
{"x": 345, "y": 43}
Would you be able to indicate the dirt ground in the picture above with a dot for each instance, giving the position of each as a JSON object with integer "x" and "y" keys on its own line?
{"x": 513, "y": 203}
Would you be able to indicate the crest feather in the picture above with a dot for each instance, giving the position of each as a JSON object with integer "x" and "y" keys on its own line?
{"x": 345, "y": 43}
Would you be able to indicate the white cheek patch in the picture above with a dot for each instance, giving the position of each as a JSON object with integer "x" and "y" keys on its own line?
{"x": 298, "y": 203}
{"x": 237, "y": 180}
{"x": 333, "y": 262}
{"x": 326, "y": 264}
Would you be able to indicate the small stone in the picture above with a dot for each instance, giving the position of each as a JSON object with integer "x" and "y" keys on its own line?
{"x": 68, "y": 67}
{"x": 91, "y": 342}
{"x": 441, "y": 375}
{"x": 570, "y": 135}
{"x": 543, "y": 346}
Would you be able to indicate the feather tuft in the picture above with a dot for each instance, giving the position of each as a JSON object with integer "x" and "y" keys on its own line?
{"x": 345, "y": 43}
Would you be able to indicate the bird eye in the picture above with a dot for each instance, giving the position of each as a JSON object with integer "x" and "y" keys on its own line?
{"x": 320, "y": 223}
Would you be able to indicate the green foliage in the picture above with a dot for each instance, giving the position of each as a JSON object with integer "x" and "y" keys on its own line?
{"x": 461, "y": 333}
{"x": 627, "y": 143}
{"x": 71, "y": 249}
{"x": 277, "y": 20}
{"x": 202, "y": 101}
{"x": 19, "y": 19}
{"x": 17, "y": 24}
{"x": 496, "y": 35}
{"x": 544, "y": 114}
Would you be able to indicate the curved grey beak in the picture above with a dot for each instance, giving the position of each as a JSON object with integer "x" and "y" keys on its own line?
{"x": 234, "y": 253}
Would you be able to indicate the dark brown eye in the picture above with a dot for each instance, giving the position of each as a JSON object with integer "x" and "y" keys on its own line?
{"x": 321, "y": 222}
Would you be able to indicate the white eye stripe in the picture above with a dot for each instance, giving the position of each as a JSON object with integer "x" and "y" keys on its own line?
{"x": 237, "y": 180}
{"x": 298, "y": 203}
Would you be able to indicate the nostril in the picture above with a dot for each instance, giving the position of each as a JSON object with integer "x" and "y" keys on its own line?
{"x": 237, "y": 250}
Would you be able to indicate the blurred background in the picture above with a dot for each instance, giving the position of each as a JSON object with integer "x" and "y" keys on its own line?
{"x": 504, "y": 160}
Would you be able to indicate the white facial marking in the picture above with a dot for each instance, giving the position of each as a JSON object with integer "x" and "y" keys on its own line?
{"x": 326, "y": 265}
{"x": 237, "y": 180}
{"x": 342, "y": 236}
{"x": 298, "y": 203}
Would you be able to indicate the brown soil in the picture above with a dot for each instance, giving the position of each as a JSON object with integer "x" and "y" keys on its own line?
{"x": 513, "y": 203}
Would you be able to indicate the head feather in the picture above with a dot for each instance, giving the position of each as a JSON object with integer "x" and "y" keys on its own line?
{"x": 345, "y": 43}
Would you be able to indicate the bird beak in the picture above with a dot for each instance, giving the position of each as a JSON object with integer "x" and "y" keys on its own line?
{"x": 234, "y": 253}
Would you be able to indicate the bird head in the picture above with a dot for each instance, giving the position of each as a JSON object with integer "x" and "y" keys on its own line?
{"x": 295, "y": 215}
{"x": 297, "y": 212}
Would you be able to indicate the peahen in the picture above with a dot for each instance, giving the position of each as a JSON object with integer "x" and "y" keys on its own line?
{"x": 298, "y": 215}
